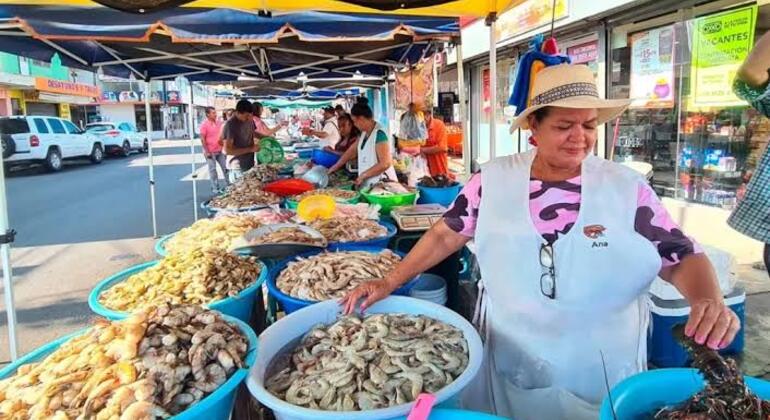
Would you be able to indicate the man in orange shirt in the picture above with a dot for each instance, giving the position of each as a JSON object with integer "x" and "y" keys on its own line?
{"x": 435, "y": 148}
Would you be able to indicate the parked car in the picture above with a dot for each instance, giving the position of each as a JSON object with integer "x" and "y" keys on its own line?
{"x": 118, "y": 138}
{"x": 46, "y": 140}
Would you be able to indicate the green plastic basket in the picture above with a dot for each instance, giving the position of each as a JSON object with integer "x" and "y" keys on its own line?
{"x": 388, "y": 202}
{"x": 270, "y": 151}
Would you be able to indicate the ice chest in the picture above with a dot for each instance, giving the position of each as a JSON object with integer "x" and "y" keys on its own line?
{"x": 663, "y": 350}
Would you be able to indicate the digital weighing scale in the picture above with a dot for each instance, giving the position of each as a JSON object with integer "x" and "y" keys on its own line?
{"x": 417, "y": 218}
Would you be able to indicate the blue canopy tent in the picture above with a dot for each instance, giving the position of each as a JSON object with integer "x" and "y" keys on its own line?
{"x": 284, "y": 52}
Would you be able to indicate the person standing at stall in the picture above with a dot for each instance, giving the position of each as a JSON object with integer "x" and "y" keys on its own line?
{"x": 210, "y": 129}
{"x": 329, "y": 133}
{"x": 259, "y": 125}
{"x": 348, "y": 134}
{"x": 568, "y": 245}
{"x": 372, "y": 149}
{"x": 435, "y": 148}
{"x": 238, "y": 138}
{"x": 752, "y": 215}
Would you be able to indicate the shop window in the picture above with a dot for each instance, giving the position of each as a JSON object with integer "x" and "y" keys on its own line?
{"x": 684, "y": 121}
{"x": 16, "y": 107}
{"x": 141, "y": 118}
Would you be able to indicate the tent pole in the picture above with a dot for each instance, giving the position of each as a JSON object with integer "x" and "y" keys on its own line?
{"x": 148, "y": 126}
{"x": 491, "y": 19}
{"x": 5, "y": 253}
{"x": 191, "y": 120}
{"x": 461, "y": 97}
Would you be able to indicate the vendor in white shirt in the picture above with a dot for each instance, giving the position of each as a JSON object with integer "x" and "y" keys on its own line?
{"x": 329, "y": 133}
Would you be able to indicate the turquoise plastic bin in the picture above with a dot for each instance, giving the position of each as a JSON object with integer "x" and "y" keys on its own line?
{"x": 216, "y": 406}
{"x": 239, "y": 306}
{"x": 160, "y": 245}
{"x": 291, "y": 304}
{"x": 212, "y": 211}
{"x": 376, "y": 242}
{"x": 447, "y": 414}
{"x": 444, "y": 196}
{"x": 641, "y": 394}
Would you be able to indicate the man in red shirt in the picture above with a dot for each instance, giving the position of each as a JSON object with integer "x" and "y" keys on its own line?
{"x": 435, "y": 148}
{"x": 212, "y": 148}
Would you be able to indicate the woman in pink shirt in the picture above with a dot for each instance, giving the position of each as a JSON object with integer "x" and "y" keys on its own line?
{"x": 212, "y": 148}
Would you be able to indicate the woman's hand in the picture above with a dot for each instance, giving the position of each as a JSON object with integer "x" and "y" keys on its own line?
{"x": 371, "y": 291}
{"x": 712, "y": 323}
{"x": 359, "y": 181}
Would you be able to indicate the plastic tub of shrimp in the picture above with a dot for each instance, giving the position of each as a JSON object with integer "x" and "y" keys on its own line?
{"x": 215, "y": 406}
{"x": 641, "y": 395}
{"x": 278, "y": 338}
{"x": 239, "y": 306}
{"x": 381, "y": 242}
{"x": 291, "y": 304}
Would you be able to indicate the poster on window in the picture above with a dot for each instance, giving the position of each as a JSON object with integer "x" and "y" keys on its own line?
{"x": 415, "y": 85}
{"x": 652, "y": 68}
{"x": 720, "y": 43}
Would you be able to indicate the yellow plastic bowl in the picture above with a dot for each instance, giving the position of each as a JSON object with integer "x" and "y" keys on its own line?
{"x": 316, "y": 207}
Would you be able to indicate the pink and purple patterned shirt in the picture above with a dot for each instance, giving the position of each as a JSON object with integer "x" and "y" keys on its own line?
{"x": 554, "y": 208}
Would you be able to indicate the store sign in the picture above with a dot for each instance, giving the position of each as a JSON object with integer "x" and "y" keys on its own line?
{"x": 529, "y": 15}
{"x": 720, "y": 44}
{"x": 66, "y": 88}
{"x": 652, "y": 68}
{"x": 584, "y": 53}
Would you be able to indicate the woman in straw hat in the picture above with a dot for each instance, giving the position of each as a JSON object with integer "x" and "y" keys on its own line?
{"x": 568, "y": 245}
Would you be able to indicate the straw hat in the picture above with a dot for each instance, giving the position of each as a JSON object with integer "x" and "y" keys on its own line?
{"x": 569, "y": 86}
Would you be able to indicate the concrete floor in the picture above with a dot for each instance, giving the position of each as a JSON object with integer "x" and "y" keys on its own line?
{"x": 756, "y": 358}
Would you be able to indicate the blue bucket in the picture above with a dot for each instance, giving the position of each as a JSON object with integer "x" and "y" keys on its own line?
{"x": 239, "y": 306}
{"x": 376, "y": 242}
{"x": 291, "y": 304}
{"x": 324, "y": 158}
{"x": 444, "y": 196}
{"x": 305, "y": 153}
{"x": 216, "y": 406}
{"x": 646, "y": 392}
{"x": 160, "y": 245}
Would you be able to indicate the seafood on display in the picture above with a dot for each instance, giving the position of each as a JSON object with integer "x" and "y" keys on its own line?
{"x": 197, "y": 277}
{"x": 386, "y": 188}
{"x": 155, "y": 364}
{"x": 339, "y": 229}
{"x": 330, "y": 275}
{"x": 212, "y": 233}
{"x": 335, "y": 193}
{"x": 364, "y": 364}
{"x": 261, "y": 173}
{"x": 339, "y": 179}
{"x": 726, "y": 396}
{"x": 245, "y": 193}
{"x": 438, "y": 181}
{"x": 288, "y": 235}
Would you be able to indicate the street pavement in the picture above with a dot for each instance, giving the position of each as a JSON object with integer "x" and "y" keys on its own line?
{"x": 82, "y": 224}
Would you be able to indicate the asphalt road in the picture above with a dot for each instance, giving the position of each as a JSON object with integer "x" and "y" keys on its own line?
{"x": 82, "y": 224}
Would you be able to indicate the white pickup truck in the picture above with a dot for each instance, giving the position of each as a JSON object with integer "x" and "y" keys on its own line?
{"x": 46, "y": 140}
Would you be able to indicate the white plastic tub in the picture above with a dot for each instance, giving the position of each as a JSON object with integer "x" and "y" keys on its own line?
{"x": 279, "y": 335}
{"x": 430, "y": 287}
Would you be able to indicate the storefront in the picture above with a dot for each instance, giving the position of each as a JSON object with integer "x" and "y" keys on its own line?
{"x": 57, "y": 98}
{"x": 700, "y": 139}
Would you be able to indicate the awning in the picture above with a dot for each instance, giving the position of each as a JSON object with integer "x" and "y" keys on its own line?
{"x": 293, "y": 104}
{"x": 452, "y": 8}
{"x": 222, "y": 44}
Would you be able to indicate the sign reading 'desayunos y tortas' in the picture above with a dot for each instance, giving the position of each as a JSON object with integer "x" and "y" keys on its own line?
{"x": 720, "y": 44}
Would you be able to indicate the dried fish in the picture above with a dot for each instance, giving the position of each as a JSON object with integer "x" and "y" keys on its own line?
{"x": 261, "y": 173}
{"x": 340, "y": 229}
{"x": 331, "y": 275}
{"x": 336, "y": 193}
{"x": 347, "y": 366}
{"x": 288, "y": 235}
{"x": 218, "y": 233}
{"x": 245, "y": 193}
{"x": 196, "y": 277}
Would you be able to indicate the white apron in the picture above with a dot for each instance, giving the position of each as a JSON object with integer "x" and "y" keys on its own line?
{"x": 543, "y": 357}
{"x": 367, "y": 157}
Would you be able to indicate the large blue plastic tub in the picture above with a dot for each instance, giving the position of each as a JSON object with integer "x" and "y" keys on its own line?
{"x": 239, "y": 306}
{"x": 291, "y": 304}
{"x": 377, "y": 242}
{"x": 324, "y": 158}
{"x": 641, "y": 394}
{"x": 216, "y": 406}
{"x": 305, "y": 152}
{"x": 444, "y": 196}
